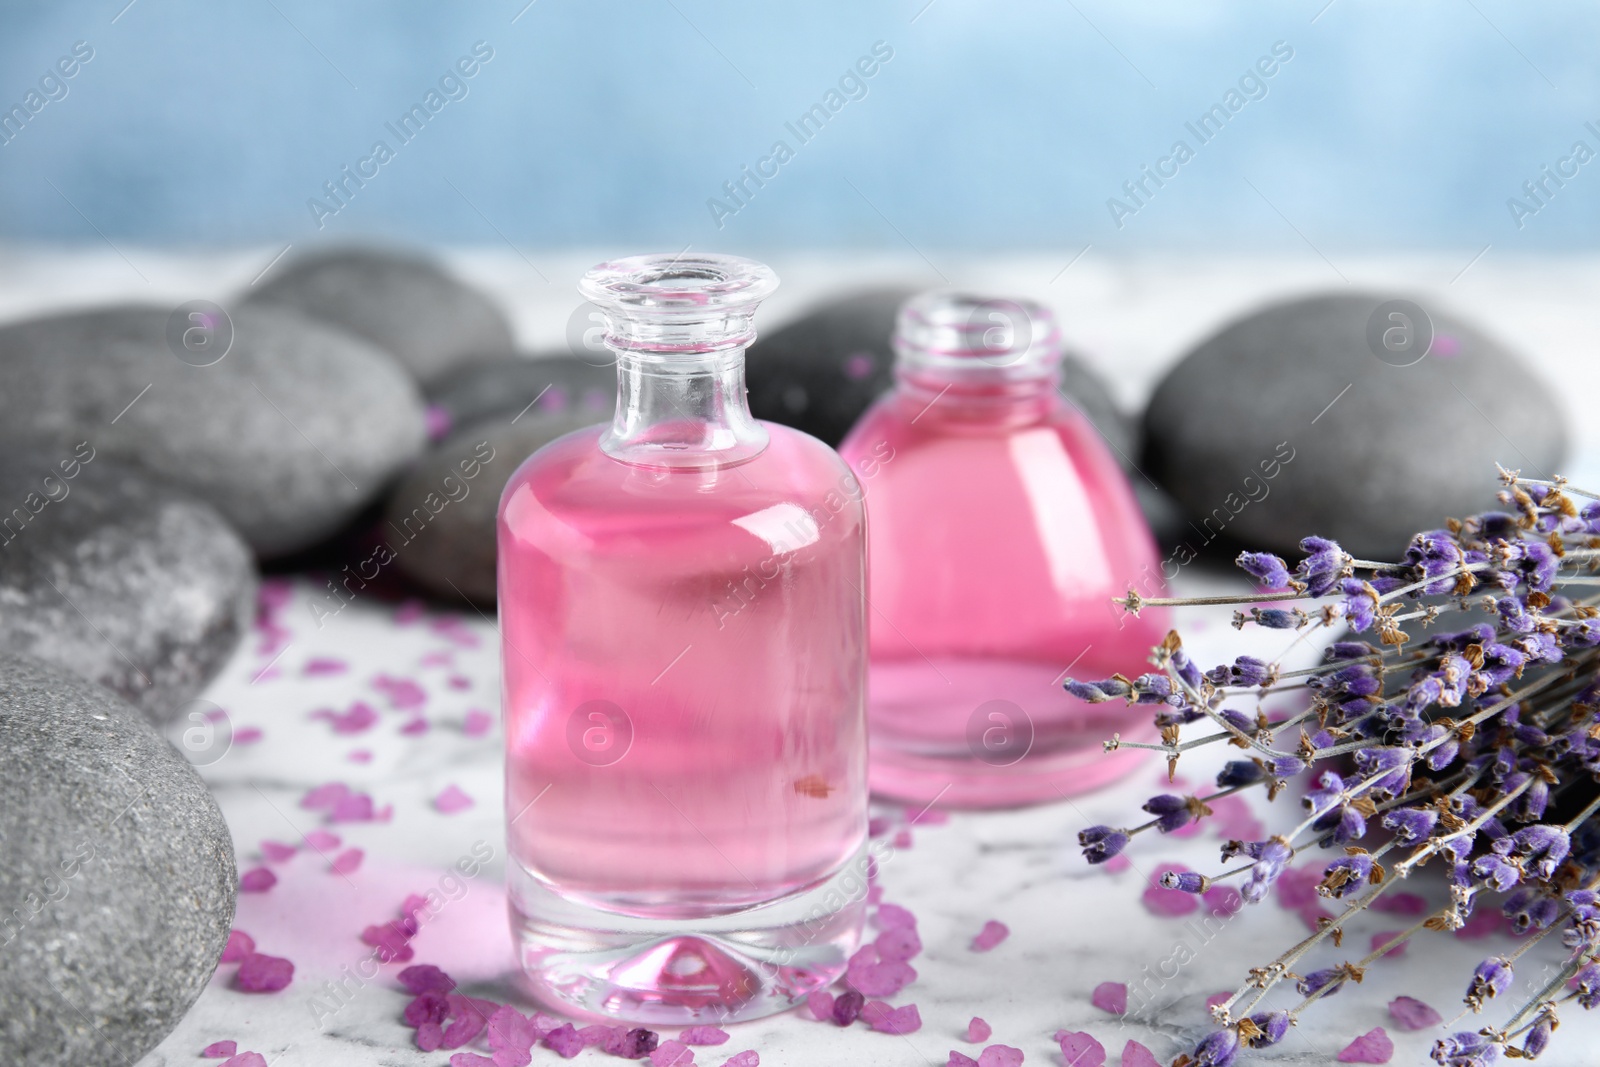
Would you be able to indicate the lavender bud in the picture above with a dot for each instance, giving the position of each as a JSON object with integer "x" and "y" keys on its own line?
{"x": 1493, "y": 977}
{"x": 1411, "y": 825}
{"x": 1330, "y": 978}
{"x": 1219, "y": 1049}
{"x": 1538, "y": 1039}
{"x": 1172, "y": 812}
{"x": 1495, "y": 872}
{"x": 1100, "y": 843}
{"x": 1348, "y": 875}
{"x": 1239, "y": 773}
{"x": 1587, "y": 985}
{"x": 1465, "y": 1050}
{"x": 1544, "y": 848}
{"x": 1096, "y": 692}
{"x": 1323, "y": 568}
{"x": 1286, "y": 766}
{"x": 1264, "y": 567}
{"x": 1249, "y": 671}
{"x": 1273, "y": 1026}
{"x": 1185, "y": 881}
{"x": 1186, "y": 668}
{"x": 1275, "y": 619}
{"x": 1342, "y": 650}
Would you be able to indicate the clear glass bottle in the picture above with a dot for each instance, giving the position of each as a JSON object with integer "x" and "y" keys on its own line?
{"x": 684, "y": 647}
{"x": 1001, "y": 529}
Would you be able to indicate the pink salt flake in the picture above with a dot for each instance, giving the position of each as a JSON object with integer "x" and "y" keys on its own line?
{"x": 1297, "y": 887}
{"x": 425, "y": 978}
{"x": 1409, "y": 1013}
{"x": 477, "y": 722}
{"x": 875, "y": 894}
{"x": 1000, "y": 1056}
{"x": 322, "y": 840}
{"x": 748, "y": 1058}
{"x": 240, "y": 945}
{"x": 820, "y": 1003}
{"x": 219, "y": 1049}
{"x": 672, "y": 1054}
{"x": 392, "y": 942}
{"x": 703, "y": 1035}
{"x": 898, "y": 944}
{"x": 347, "y": 862}
{"x": 416, "y": 726}
{"x": 430, "y": 1036}
{"x": 360, "y": 755}
{"x": 257, "y": 880}
{"x": 325, "y": 796}
{"x": 872, "y": 978}
{"x": 1136, "y": 1055}
{"x": 564, "y": 1041}
{"x": 599, "y": 1035}
{"x": 247, "y": 735}
{"x": 439, "y": 657}
{"x": 472, "y": 1059}
{"x": 246, "y": 1059}
{"x": 1373, "y": 1046}
{"x": 902, "y": 838}
{"x": 1231, "y": 818}
{"x": 452, "y": 800}
{"x": 1223, "y": 900}
{"x": 1116, "y": 864}
{"x": 960, "y": 1059}
{"x": 359, "y": 717}
{"x": 260, "y": 973}
{"x": 992, "y": 934}
{"x": 511, "y": 1037}
{"x": 1409, "y": 904}
{"x": 903, "y": 1020}
{"x": 1485, "y": 920}
{"x": 458, "y": 682}
{"x": 978, "y": 1030}
{"x": 353, "y": 807}
{"x": 403, "y": 693}
{"x": 930, "y": 817}
{"x": 1383, "y": 937}
{"x": 276, "y": 851}
{"x": 879, "y": 825}
{"x": 1168, "y": 902}
{"x": 1080, "y": 1049}
{"x": 891, "y": 916}
{"x": 409, "y": 612}
{"x": 1217, "y": 998}
{"x": 319, "y": 666}
{"x": 1111, "y": 997}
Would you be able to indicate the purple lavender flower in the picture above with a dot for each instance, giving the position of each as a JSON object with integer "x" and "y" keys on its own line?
{"x": 1347, "y": 875}
{"x": 1342, "y": 650}
{"x": 1329, "y": 791}
{"x": 1273, "y": 1027}
{"x": 1360, "y": 604}
{"x": 1100, "y": 843}
{"x": 1153, "y": 689}
{"x": 1219, "y": 1049}
{"x": 1264, "y": 567}
{"x": 1171, "y": 812}
{"x": 1275, "y": 618}
{"x": 1185, "y": 881}
{"x": 1391, "y": 767}
{"x": 1411, "y": 825}
{"x": 1249, "y": 671}
{"x": 1271, "y": 857}
{"x": 1239, "y": 773}
{"x": 1097, "y": 692}
{"x": 1538, "y": 1039}
{"x": 1514, "y": 615}
{"x": 1493, "y": 977}
{"x": 1435, "y": 555}
{"x": 1465, "y": 1050}
{"x": 1323, "y": 567}
{"x": 1495, "y": 872}
{"x": 1586, "y": 983}
{"x": 1186, "y": 669}
{"x": 1329, "y": 978}
{"x": 1543, "y": 848}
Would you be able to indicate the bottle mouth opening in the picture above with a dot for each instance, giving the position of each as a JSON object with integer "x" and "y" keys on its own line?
{"x": 670, "y": 306}
{"x": 970, "y": 333}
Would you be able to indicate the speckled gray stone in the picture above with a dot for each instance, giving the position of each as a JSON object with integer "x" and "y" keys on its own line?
{"x": 451, "y": 552}
{"x": 288, "y": 435}
{"x": 405, "y": 303}
{"x": 119, "y": 578}
{"x": 820, "y": 372}
{"x": 1400, "y": 449}
{"x": 554, "y": 385}
{"x": 117, "y": 886}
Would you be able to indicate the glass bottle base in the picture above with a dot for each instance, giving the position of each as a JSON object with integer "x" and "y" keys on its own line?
{"x": 973, "y": 784}
{"x": 728, "y": 967}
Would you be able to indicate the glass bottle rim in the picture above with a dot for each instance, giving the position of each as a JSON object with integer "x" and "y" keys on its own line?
{"x": 673, "y": 305}
{"x": 948, "y": 329}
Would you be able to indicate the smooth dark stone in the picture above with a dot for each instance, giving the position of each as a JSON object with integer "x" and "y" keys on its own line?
{"x": 556, "y": 386}
{"x": 118, "y": 879}
{"x": 119, "y": 578}
{"x": 1400, "y": 449}
{"x": 407, "y": 304}
{"x": 820, "y": 372}
{"x": 287, "y": 435}
{"x": 440, "y": 523}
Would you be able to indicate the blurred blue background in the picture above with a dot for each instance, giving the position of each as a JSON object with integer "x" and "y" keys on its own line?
{"x": 994, "y": 125}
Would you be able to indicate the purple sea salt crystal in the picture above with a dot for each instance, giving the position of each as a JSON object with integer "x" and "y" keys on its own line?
{"x": 1080, "y": 1049}
{"x": 898, "y": 944}
{"x": 260, "y": 973}
{"x": 424, "y": 978}
{"x": 1171, "y": 812}
{"x": 1272, "y": 1026}
{"x": 1217, "y": 1049}
{"x": 991, "y": 935}
{"x": 564, "y": 1041}
{"x": 1411, "y": 825}
{"x": 1409, "y": 1013}
{"x": 672, "y": 1054}
{"x": 1492, "y": 977}
{"x": 1237, "y": 774}
{"x": 847, "y": 1008}
{"x": 1110, "y": 997}
{"x": 1101, "y": 843}
{"x": 1374, "y": 1046}
{"x": 1269, "y": 570}
{"x": 1323, "y": 567}
{"x": 1000, "y": 1056}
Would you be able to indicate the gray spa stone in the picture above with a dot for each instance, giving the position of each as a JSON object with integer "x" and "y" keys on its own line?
{"x": 118, "y": 578}
{"x": 288, "y": 434}
{"x": 554, "y": 385}
{"x": 440, "y": 521}
{"x": 1368, "y": 443}
{"x": 118, "y": 881}
{"x": 407, "y": 304}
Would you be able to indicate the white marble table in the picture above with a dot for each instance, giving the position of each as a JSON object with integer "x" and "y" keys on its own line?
{"x": 1072, "y": 926}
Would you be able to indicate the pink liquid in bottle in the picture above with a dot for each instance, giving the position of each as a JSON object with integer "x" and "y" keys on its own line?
{"x": 1001, "y": 530}
{"x": 684, "y": 660}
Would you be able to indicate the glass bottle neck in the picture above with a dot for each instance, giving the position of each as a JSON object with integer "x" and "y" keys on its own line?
{"x": 682, "y": 413}
{"x": 986, "y": 396}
